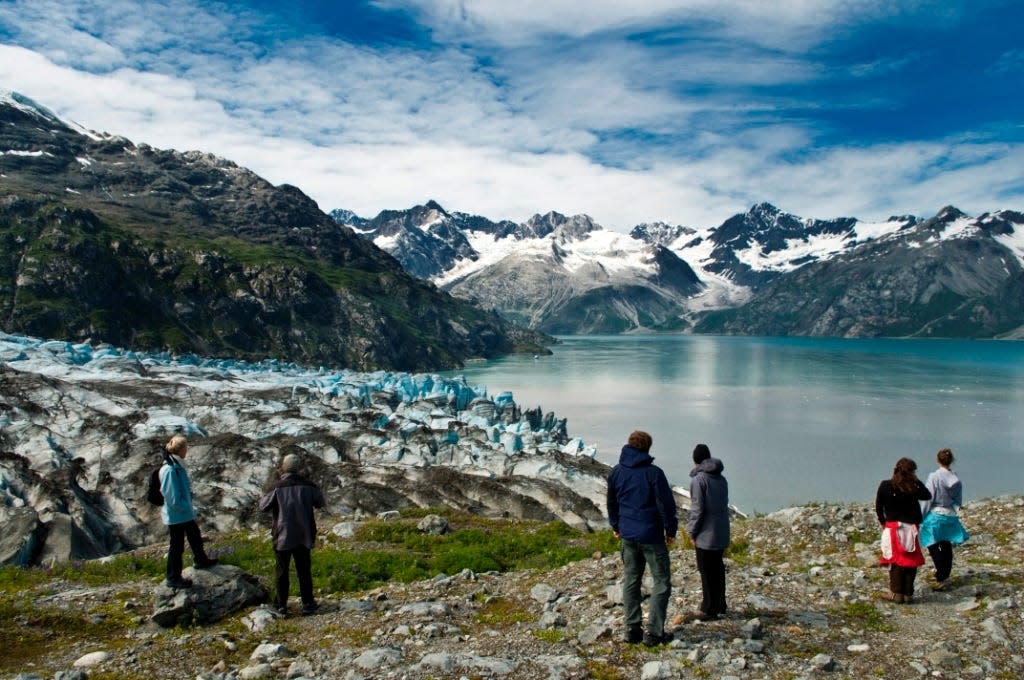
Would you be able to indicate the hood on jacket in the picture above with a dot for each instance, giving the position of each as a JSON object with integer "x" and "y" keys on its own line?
{"x": 711, "y": 466}
{"x": 634, "y": 458}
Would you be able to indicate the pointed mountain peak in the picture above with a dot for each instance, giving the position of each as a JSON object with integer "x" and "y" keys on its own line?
{"x": 764, "y": 208}
{"x": 26, "y": 105}
{"x": 949, "y": 214}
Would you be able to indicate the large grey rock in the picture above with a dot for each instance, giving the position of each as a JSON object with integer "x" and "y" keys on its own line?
{"x": 21, "y": 533}
{"x": 215, "y": 593}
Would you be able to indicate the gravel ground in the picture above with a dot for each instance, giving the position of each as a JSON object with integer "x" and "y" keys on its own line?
{"x": 803, "y": 587}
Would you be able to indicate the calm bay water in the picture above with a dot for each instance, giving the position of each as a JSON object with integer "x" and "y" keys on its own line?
{"x": 794, "y": 420}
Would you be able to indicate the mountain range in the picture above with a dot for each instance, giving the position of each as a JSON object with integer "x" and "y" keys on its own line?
{"x": 763, "y": 272}
{"x": 108, "y": 241}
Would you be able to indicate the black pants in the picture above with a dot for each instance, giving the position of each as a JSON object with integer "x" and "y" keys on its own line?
{"x": 179, "y": 532}
{"x": 942, "y": 558}
{"x": 303, "y": 570}
{"x": 711, "y": 565}
{"x": 901, "y": 579}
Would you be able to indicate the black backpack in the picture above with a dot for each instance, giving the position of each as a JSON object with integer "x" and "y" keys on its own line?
{"x": 153, "y": 494}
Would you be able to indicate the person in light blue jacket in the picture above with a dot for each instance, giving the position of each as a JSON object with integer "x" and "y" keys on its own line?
{"x": 179, "y": 515}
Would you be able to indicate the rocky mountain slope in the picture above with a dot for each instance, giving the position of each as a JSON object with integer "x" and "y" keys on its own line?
{"x": 762, "y": 272}
{"x": 106, "y": 240}
{"x": 802, "y": 586}
{"x": 950, "y": 276}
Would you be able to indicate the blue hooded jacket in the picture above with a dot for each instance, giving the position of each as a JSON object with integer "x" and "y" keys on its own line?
{"x": 641, "y": 506}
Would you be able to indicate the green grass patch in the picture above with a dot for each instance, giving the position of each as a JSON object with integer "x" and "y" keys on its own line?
{"x": 863, "y": 615}
{"x": 552, "y": 635}
{"x": 739, "y": 551}
{"x": 602, "y": 670}
{"x": 502, "y": 613}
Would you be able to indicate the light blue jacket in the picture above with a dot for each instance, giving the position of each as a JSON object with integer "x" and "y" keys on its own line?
{"x": 177, "y": 491}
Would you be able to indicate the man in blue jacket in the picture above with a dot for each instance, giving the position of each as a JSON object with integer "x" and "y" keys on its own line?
{"x": 642, "y": 513}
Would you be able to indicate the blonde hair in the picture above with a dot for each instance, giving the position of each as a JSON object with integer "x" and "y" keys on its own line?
{"x": 176, "y": 443}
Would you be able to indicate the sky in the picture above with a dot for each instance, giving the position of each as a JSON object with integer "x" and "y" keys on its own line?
{"x": 682, "y": 111}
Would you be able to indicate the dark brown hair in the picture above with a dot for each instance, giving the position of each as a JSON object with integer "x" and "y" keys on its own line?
{"x": 640, "y": 440}
{"x": 944, "y": 457}
{"x": 903, "y": 477}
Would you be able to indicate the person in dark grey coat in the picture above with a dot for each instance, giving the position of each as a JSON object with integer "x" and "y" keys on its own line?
{"x": 291, "y": 501}
{"x": 708, "y": 526}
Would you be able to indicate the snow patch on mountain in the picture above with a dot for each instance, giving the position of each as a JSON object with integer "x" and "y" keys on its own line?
{"x": 1014, "y": 241}
{"x": 964, "y": 227}
{"x": 27, "y": 105}
{"x": 613, "y": 251}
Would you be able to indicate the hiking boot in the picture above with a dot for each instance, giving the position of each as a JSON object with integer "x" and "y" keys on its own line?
{"x": 206, "y": 564}
{"x": 308, "y": 609}
{"x": 940, "y": 586}
{"x": 280, "y": 611}
{"x": 178, "y": 582}
{"x": 653, "y": 640}
{"x": 633, "y": 635}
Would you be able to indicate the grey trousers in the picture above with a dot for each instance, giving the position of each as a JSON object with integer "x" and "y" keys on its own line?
{"x": 636, "y": 556}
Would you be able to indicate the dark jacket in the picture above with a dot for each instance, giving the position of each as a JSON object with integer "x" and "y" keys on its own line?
{"x": 708, "y": 524}
{"x": 892, "y": 505}
{"x": 291, "y": 500}
{"x": 641, "y": 506}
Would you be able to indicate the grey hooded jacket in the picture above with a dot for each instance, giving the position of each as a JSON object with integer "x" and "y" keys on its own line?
{"x": 708, "y": 524}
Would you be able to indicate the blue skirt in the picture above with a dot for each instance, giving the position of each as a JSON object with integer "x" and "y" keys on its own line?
{"x": 938, "y": 527}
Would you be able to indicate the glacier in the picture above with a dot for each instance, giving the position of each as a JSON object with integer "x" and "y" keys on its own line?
{"x": 81, "y": 426}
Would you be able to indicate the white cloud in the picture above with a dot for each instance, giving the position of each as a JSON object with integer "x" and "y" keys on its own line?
{"x": 789, "y": 25}
{"x": 383, "y": 128}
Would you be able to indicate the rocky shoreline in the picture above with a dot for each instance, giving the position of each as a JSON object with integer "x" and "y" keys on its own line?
{"x": 802, "y": 589}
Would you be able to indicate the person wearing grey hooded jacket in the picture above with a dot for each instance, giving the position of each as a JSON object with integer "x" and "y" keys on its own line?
{"x": 708, "y": 526}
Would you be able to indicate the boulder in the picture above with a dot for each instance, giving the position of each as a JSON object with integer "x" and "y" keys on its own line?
{"x": 21, "y": 535}
{"x": 215, "y": 593}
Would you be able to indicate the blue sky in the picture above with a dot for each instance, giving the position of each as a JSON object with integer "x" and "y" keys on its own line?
{"x": 685, "y": 111}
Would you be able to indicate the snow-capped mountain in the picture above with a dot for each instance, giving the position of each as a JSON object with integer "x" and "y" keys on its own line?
{"x": 949, "y": 276}
{"x": 557, "y": 273}
{"x": 570, "y": 275}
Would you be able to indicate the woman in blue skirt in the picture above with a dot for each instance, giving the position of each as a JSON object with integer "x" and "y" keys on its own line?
{"x": 941, "y": 528}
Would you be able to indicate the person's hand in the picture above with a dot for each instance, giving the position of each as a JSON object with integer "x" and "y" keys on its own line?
{"x": 617, "y": 534}
{"x": 670, "y": 541}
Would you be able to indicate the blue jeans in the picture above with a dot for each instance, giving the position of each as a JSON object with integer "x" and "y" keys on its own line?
{"x": 635, "y": 556}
